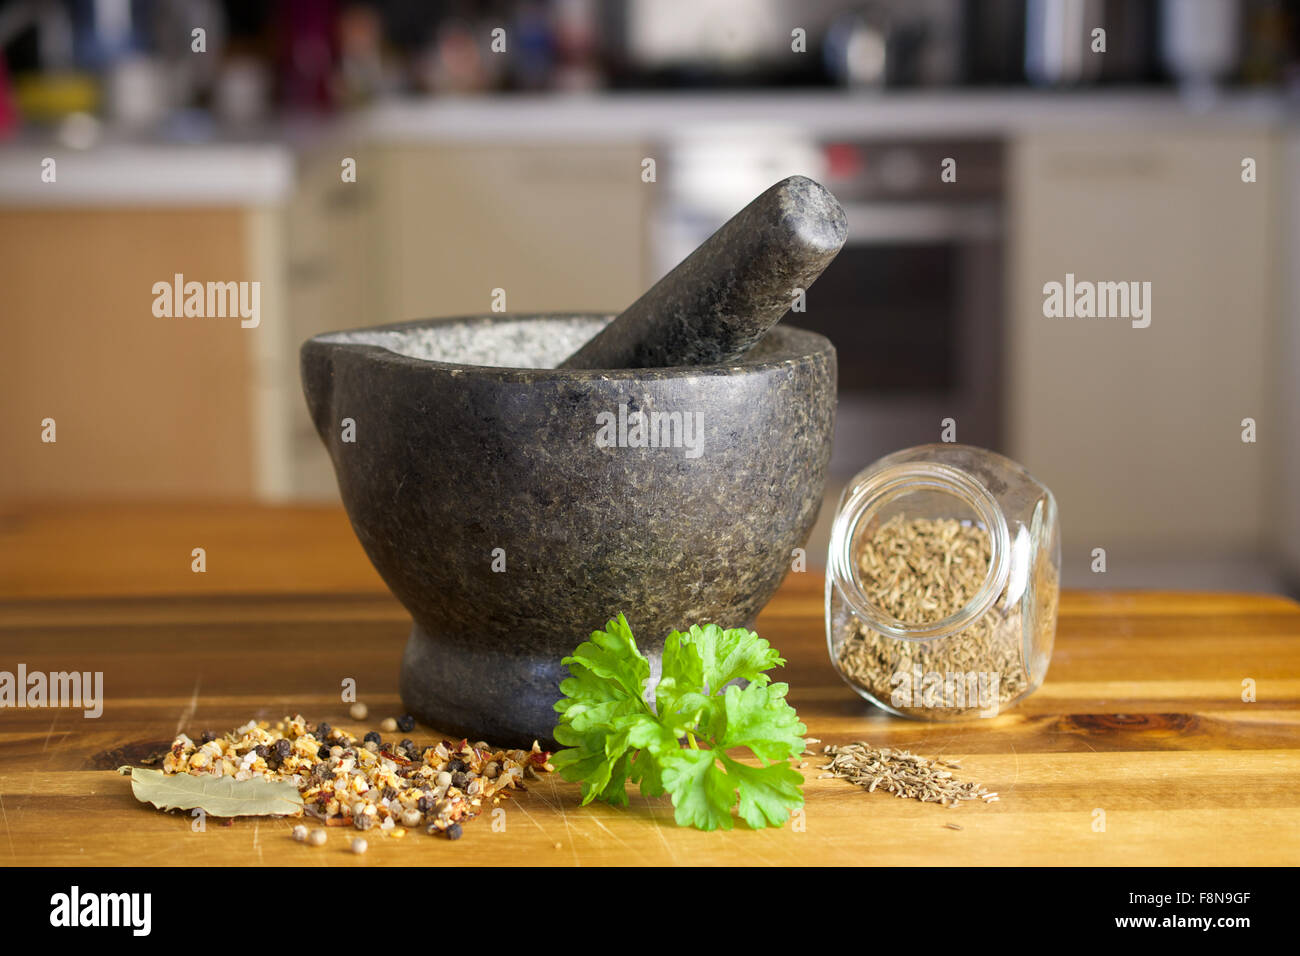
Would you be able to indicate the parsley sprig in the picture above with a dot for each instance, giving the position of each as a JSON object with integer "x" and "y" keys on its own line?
{"x": 679, "y": 746}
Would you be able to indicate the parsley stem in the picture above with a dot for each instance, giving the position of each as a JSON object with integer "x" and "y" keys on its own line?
{"x": 691, "y": 738}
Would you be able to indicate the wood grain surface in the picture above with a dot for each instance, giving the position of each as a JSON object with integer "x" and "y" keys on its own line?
{"x": 127, "y": 548}
{"x": 1141, "y": 718}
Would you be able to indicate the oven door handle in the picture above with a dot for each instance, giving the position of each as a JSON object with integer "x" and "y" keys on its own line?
{"x": 903, "y": 222}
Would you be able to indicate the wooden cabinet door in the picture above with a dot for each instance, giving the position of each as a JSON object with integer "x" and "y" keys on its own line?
{"x": 144, "y": 407}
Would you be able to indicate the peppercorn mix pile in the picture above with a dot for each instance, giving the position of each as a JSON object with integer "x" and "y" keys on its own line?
{"x": 367, "y": 784}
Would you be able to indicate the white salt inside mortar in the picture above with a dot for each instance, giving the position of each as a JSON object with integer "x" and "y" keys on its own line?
{"x": 504, "y": 343}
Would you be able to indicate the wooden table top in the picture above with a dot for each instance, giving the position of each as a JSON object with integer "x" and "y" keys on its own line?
{"x": 1141, "y": 716}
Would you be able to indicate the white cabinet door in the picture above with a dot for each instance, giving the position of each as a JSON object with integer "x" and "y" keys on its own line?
{"x": 431, "y": 230}
{"x": 1138, "y": 430}
{"x": 556, "y": 227}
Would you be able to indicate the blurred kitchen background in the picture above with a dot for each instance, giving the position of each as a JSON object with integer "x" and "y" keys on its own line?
{"x": 207, "y": 138}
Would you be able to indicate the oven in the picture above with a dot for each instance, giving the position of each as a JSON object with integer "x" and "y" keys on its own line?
{"x": 913, "y": 302}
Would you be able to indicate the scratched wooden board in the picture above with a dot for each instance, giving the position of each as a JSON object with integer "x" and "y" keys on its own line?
{"x": 1141, "y": 717}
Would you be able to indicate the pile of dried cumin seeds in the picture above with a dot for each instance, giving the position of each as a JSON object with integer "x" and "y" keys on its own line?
{"x": 903, "y": 774}
{"x": 367, "y": 783}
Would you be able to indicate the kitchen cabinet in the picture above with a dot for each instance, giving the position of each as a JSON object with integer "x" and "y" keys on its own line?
{"x": 201, "y": 408}
{"x": 1286, "y": 481}
{"x": 1139, "y": 430}
{"x": 433, "y": 229}
{"x": 143, "y": 406}
{"x": 557, "y": 227}
{"x": 545, "y": 201}
{"x": 331, "y": 283}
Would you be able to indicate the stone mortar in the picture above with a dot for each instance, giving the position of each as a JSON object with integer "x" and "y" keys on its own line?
{"x": 460, "y": 451}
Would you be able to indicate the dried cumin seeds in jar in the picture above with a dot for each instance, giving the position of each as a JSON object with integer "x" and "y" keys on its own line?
{"x": 942, "y": 583}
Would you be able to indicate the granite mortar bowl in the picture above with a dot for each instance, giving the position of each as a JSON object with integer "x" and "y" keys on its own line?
{"x": 458, "y": 450}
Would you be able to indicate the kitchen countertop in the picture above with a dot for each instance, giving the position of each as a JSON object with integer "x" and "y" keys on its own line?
{"x": 148, "y": 174}
{"x": 258, "y": 167}
{"x": 1141, "y": 716}
{"x": 656, "y": 116}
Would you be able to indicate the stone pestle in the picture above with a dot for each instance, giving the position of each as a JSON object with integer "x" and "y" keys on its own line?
{"x": 721, "y": 299}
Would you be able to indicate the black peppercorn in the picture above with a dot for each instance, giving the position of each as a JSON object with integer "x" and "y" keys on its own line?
{"x": 407, "y": 746}
{"x": 283, "y": 748}
{"x": 373, "y": 735}
{"x": 406, "y": 723}
{"x": 263, "y": 751}
{"x": 207, "y": 737}
{"x": 459, "y": 781}
{"x": 323, "y": 753}
{"x": 453, "y": 832}
{"x": 425, "y": 803}
{"x": 456, "y": 766}
{"x": 322, "y": 730}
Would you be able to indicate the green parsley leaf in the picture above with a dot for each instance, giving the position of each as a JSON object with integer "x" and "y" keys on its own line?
{"x": 731, "y": 655}
{"x": 760, "y": 719}
{"x": 679, "y": 747}
{"x": 601, "y": 706}
{"x": 766, "y": 793}
{"x": 702, "y": 794}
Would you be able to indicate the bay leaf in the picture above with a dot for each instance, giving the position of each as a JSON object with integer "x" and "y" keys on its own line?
{"x": 216, "y": 796}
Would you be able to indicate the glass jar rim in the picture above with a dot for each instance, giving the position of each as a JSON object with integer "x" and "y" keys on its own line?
{"x": 888, "y": 485}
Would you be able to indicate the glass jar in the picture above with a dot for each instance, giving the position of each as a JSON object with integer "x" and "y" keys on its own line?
{"x": 942, "y": 582}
